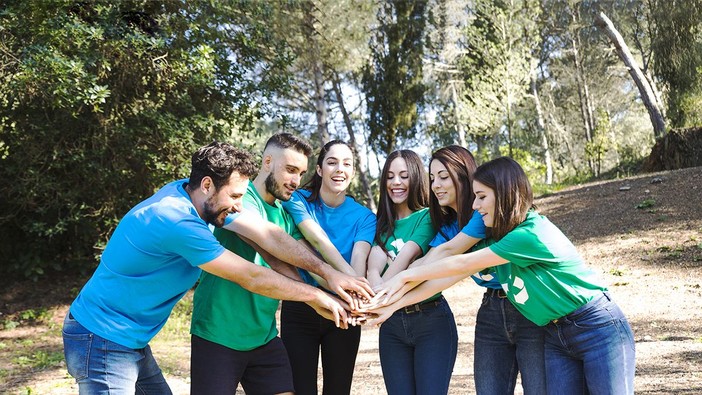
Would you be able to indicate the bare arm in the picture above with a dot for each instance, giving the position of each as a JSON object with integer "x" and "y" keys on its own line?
{"x": 408, "y": 253}
{"x": 459, "y": 244}
{"x": 359, "y": 257}
{"x": 416, "y": 295}
{"x": 276, "y": 264}
{"x": 319, "y": 240}
{"x": 278, "y": 243}
{"x": 462, "y": 264}
{"x": 376, "y": 262}
{"x": 266, "y": 282}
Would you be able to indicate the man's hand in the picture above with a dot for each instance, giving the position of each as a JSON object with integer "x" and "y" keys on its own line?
{"x": 341, "y": 284}
{"x": 330, "y": 308}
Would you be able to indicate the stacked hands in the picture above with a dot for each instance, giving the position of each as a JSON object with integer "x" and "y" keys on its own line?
{"x": 359, "y": 304}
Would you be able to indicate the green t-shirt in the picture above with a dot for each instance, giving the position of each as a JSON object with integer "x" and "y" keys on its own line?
{"x": 224, "y": 312}
{"x": 415, "y": 227}
{"x": 545, "y": 278}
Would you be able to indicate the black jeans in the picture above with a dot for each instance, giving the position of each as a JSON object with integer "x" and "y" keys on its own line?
{"x": 303, "y": 331}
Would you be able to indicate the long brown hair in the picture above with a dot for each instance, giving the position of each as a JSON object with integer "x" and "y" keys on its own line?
{"x": 315, "y": 183}
{"x": 417, "y": 195}
{"x": 513, "y": 194}
{"x": 460, "y": 165}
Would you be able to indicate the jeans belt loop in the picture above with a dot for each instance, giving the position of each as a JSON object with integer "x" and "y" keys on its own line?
{"x": 499, "y": 292}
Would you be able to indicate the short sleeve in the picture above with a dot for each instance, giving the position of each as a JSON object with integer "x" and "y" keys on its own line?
{"x": 366, "y": 228}
{"x": 424, "y": 234}
{"x": 297, "y": 207}
{"x": 193, "y": 240}
{"x": 444, "y": 234}
{"x": 475, "y": 226}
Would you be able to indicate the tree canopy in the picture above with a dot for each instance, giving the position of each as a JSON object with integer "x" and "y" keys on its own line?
{"x": 103, "y": 102}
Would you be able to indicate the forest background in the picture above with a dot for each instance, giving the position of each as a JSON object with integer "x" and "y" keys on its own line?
{"x": 102, "y": 102}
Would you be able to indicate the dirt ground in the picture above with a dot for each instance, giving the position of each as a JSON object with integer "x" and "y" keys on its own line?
{"x": 642, "y": 234}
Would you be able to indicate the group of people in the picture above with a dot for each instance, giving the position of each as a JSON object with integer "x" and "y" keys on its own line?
{"x": 336, "y": 264}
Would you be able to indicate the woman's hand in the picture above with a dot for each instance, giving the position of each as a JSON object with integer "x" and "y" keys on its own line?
{"x": 390, "y": 291}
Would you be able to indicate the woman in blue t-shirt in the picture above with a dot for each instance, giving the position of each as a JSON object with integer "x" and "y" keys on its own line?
{"x": 342, "y": 231}
{"x": 589, "y": 346}
{"x": 505, "y": 343}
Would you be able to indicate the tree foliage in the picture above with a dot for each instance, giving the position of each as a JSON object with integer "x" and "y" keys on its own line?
{"x": 392, "y": 81}
{"x": 102, "y": 102}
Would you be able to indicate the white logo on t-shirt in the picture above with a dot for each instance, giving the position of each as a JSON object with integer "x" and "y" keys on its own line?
{"x": 397, "y": 244}
{"x": 519, "y": 297}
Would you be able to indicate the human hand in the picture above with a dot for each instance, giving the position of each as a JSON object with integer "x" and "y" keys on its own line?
{"x": 390, "y": 292}
{"x": 331, "y": 308}
{"x": 345, "y": 285}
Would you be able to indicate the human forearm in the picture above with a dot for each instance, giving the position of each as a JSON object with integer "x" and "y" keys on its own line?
{"x": 406, "y": 256}
{"x": 318, "y": 239}
{"x": 260, "y": 280}
{"x": 359, "y": 257}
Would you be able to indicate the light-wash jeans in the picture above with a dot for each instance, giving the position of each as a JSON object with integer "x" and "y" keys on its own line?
{"x": 104, "y": 367}
{"x": 591, "y": 351}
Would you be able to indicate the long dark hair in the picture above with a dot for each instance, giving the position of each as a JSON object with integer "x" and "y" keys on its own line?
{"x": 460, "y": 165}
{"x": 417, "y": 195}
{"x": 315, "y": 183}
{"x": 513, "y": 194}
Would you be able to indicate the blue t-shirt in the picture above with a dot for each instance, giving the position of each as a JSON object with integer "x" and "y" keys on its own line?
{"x": 345, "y": 225}
{"x": 149, "y": 263}
{"x": 474, "y": 228}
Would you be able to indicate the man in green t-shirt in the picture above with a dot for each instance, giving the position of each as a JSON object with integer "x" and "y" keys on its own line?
{"x": 234, "y": 332}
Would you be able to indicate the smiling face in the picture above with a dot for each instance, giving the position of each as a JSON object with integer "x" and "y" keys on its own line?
{"x": 442, "y": 185}
{"x": 227, "y": 199}
{"x": 397, "y": 181}
{"x": 484, "y": 203}
{"x": 287, "y": 166}
{"x": 336, "y": 169}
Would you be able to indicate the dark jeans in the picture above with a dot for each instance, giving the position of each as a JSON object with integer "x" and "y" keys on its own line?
{"x": 506, "y": 343}
{"x": 304, "y": 332}
{"x": 418, "y": 349}
{"x": 591, "y": 351}
{"x": 216, "y": 369}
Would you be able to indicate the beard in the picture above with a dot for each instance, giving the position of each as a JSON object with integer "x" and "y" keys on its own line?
{"x": 212, "y": 216}
{"x": 276, "y": 190}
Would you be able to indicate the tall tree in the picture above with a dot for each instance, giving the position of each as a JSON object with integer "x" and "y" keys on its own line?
{"x": 676, "y": 41}
{"x": 644, "y": 84}
{"x": 392, "y": 81}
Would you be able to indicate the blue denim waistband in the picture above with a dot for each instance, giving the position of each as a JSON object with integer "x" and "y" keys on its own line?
{"x": 596, "y": 301}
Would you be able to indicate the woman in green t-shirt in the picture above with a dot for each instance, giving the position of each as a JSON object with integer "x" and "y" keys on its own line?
{"x": 418, "y": 344}
{"x": 589, "y": 344}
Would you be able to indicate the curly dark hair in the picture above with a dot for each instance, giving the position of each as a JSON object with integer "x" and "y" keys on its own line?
{"x": 218, "y": 160}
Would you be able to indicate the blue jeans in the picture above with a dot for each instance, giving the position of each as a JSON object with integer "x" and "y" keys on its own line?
{"x": 104, "y": 367}
{"x": 418, "y": 349}
{"x": 591, "y": 351}
{"x": 506, "y": 343}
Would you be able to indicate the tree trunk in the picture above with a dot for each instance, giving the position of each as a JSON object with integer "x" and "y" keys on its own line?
{"x": 459, "y": 126}
{"x": 365, "y": 185}
{"x": 647, "y": 93}
{"x": 583, "y": 92}
{"x": 317, "y": 77}
{"x": 541, "y": 125}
